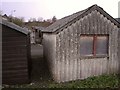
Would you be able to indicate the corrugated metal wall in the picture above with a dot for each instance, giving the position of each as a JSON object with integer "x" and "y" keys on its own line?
{"x": 49, "y": 51}
{"x": 69, "y": 65}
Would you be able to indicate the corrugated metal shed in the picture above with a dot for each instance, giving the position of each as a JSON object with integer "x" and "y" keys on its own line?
{"x": 74, "y": 45}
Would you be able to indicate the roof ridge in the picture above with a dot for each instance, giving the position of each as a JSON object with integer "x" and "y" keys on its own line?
{"x": 14, "y": 26}
{"x": 65, "y": 22}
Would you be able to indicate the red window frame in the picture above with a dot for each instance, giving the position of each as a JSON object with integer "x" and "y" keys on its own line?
{"x": 95, "y": 42}
{"x": 94, "y": 45}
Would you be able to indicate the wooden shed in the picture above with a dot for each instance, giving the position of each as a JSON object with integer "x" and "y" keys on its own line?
{"x": 16, "y": 57}
{"x": 82, "y": 45}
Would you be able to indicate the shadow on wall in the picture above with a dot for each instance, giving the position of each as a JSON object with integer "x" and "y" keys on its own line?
{"x": 40, "y": 71}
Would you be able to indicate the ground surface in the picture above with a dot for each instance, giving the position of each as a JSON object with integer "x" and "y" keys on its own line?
{"x": 40, "y": 76}
{"x": 40, "y": 73}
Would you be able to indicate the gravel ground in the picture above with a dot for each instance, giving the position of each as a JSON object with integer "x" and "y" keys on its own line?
{"x": 36, "y": 50}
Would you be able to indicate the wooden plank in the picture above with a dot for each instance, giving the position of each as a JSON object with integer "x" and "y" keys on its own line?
{"x": 14, "y": 43}
{"x": 13, "y": 38}
{"x": 18, "y": 75}
{"x": 11, "y": 34}
{"x": 15, "y": 64}
{"x": 18, "y": 67}
{"x": 9, "y": 31}
{"x": 14, "y": 71}
{"x": 17, "y": 52}
{"x": 13, "y": 56}
{"x": 15, "y": 47}
{"x": 17, "y": 59}
{"x": 16, "y": 80}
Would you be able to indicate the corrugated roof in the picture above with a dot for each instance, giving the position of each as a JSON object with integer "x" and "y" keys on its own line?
{"x": 62, "y": 23}
{"x": 118, "y": 19}
{"x": 13, "y": 26}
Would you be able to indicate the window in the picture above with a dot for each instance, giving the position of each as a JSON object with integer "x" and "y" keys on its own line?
{"x": 86, "y": 45}
{"x": 93, "y": 45}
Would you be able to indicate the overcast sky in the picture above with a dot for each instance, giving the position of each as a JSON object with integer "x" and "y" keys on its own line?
{"x": 49, "y": 8}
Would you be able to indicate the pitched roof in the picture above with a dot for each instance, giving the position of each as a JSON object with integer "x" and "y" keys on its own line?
{"x": 13, "y": 26}
{"x": 68, "y": 20}
{"x": 118, "y": 19}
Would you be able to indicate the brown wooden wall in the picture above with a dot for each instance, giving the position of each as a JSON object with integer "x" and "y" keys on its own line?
{"x": 15, "y": 51}
{"x": 68, "y": 64}
{"x": 0, "y": 54}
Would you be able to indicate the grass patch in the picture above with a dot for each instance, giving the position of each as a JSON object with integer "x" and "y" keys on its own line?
{"x": 103, "y": 81}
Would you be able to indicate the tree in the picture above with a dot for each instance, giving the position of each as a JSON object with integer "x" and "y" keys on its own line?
{"x": 40, "y": 19}
{"x": 54, "y": 19}
{"x": 17, "y": 20}
{"x": 49, "y": 20}
{"x": 32, "y": 20}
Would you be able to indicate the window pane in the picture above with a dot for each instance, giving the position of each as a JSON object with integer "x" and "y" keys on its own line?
{"x": 86, "y": 45}
{"x": 102, "y": 45}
